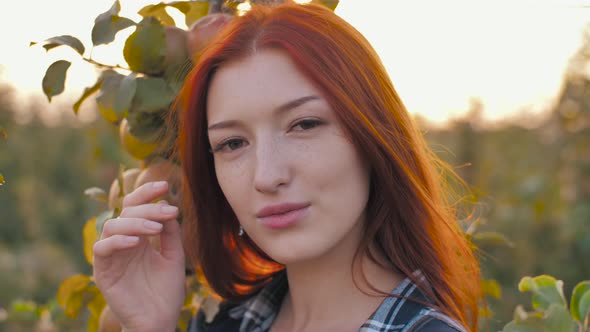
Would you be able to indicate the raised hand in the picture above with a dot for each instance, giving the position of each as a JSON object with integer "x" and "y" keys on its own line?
{"x": 144, "y": 287}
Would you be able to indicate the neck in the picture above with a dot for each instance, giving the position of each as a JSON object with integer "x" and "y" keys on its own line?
{"x": 322, "y": 292}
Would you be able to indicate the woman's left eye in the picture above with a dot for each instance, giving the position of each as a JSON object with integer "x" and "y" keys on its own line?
{"x": 307, "y": 124}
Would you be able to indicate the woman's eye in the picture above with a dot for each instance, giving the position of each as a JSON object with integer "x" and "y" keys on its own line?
{"x": 307, "y": 124}
{"x": 231, "y": 144}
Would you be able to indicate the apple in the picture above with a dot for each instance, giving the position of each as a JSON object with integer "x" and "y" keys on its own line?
{"x": 202, "y": 32}
{"x": 176, "y": 46}
{"x": 129, "y": 177}
{"x": 136, "y": 148}
{"x": 162, "y": 169}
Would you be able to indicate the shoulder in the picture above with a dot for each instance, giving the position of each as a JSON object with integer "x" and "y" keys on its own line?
{"x": 222, "y": 322}
{"x": 433, "y": 321}
{"x": 255, "y": 313}
{"x": 409, "y": 310}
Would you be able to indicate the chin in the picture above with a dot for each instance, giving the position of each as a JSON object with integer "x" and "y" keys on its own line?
{"x": 293, "y": 251}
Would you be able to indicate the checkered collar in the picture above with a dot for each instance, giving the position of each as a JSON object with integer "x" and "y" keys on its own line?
{"x": 258, "y": 313}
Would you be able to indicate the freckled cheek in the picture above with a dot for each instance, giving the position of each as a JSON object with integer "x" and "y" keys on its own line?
{"x": 338, "y": 172}
{"x": 233, "y": 180}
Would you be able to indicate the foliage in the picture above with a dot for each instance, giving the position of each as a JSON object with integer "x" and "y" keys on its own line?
{"x": 551, "y": 313}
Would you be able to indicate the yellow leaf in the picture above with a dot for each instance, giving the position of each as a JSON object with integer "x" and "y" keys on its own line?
{"x": 192, "y": 10}
{"x": 90, "y": 236}
{"x": 3, "y": 134}
{"x": 70, "y": 286}
{"x": 74, "y": 304}
{"x": 1, "y": 179}
{"x": 331, "y": 4}
{"x": 95, "y": 306}
{"x": 491, "y": 288}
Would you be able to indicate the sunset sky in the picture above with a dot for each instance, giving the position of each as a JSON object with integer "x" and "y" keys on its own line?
{"x": 440, "y": 54}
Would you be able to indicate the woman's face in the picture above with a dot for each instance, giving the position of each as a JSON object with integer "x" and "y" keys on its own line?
{"x": 297, "y": 185}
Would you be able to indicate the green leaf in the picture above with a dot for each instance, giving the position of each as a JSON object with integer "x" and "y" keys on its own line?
{"x": 584, "y": 308}
{"x": 145, "y": 49}
{"x": 491, "y": 288}
{"x": 125, "y": 95}
{"x": 331, "y": 4}
{"x": 114, "y": 10}
{"x": 492, "y": 238}
{"x": 557, "y": 318}
{"x": 159, "y": 12}
{"x": 55, "y": 77}
{"x": 96, "y": 193}
{"x": 581, "y": 290}
{"x": 147, "y": 127}
{"x": 102, "y": 218}
{"x": 152, "y": 95}
{"x": 107, "y": 24}
{"x": 108, "y": 92}
{"x": 23, "y": 306}
{"x": 87, "y": 93}
{"x": 546, "y": 291}
{"x": 192, "y": 10}
{"x": 67, "y": 40}
{"x": 104, "y": 31}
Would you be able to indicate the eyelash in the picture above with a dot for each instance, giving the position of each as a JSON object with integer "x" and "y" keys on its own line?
{"x": 226, "y": 143}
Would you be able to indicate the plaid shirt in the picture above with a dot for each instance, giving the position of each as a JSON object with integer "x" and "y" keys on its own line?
{"x": 395, "y": 314}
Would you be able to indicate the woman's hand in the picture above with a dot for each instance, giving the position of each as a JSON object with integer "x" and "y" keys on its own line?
{"x": 144, "y": 287}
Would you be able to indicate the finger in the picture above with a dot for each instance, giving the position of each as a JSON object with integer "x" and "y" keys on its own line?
{"x": 152, "y": 211}
{"x": 171, "y": 240}
{"x": 130, "y": 226}
{"x": 106, "y": 247}
{"x": 145, "y": 193}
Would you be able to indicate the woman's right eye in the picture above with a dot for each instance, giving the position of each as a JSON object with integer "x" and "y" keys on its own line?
{"x": 229, "y": 145}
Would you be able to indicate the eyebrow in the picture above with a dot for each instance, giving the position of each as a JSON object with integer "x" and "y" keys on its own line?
{"x": 281, "y": 109}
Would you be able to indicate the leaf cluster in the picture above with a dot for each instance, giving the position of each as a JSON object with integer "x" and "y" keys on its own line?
{"x": 550, "y": 309}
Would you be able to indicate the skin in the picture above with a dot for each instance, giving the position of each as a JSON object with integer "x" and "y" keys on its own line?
{"x": 268, "y": 153}
{"x": 143, "y": 287}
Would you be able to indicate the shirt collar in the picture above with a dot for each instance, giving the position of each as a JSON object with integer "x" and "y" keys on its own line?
{"x": 258, "y": 313}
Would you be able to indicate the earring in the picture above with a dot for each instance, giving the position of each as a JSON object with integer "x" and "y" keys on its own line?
{"x": 241, "y": 231}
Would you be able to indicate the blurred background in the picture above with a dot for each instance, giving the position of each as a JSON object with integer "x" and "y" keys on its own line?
{"x": 501, "y": 90}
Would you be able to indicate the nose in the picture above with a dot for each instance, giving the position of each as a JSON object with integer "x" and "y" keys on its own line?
{"x": 272, "y": 167}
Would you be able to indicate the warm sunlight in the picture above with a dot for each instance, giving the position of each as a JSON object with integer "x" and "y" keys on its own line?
{"x": 440, "y": 55}
{"x": 244, "y": 7}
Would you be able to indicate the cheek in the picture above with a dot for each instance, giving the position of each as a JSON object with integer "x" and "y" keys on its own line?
{"x": 232, "y": 180}
{"x": 339, "y": 175}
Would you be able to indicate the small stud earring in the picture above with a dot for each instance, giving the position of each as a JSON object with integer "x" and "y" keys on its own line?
{"x": 241, "y": 231}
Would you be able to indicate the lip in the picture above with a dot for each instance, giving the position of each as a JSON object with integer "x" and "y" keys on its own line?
{"x": 282, "y": 215}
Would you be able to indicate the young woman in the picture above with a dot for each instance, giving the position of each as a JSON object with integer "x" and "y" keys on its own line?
{"x": 312, "y": 201}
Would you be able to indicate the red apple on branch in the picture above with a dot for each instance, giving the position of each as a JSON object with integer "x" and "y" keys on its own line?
{"x": 204, "y": 30}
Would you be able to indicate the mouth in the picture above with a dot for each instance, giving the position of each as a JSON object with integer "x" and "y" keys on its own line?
{"x": 282, "y": 215}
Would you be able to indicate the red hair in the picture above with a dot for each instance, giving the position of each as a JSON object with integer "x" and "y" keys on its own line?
{"x": 408, "y": 218}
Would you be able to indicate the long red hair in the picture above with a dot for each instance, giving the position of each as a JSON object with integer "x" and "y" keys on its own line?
{"x": 408, "y": 217}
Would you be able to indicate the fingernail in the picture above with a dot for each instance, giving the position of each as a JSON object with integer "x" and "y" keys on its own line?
{"x": 152, "y": 225}
{"x": 131, "y": 239}
{"x": 159, "y": 184}
{"x": 169, "y": 209}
